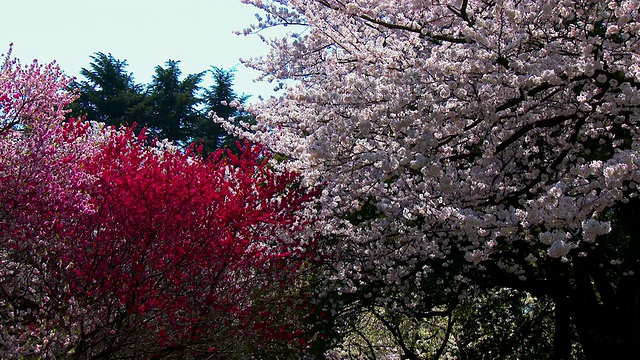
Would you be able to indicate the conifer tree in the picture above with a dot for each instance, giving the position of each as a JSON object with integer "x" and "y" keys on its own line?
{"x": 108, "y": 93}
{"x": 221, "y": 99}
{"x": 172, "y": 103}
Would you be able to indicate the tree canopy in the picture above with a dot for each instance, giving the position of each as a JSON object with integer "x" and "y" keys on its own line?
{"x": 220, "y": 99}
{"x": 108, "y": 93}
{"x": 172, "y": 106}
{"x": 467, "y": 148}
{"x": 172, "y": 103}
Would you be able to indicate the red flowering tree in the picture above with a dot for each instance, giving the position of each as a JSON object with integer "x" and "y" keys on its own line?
{"x": 110, "y": 248}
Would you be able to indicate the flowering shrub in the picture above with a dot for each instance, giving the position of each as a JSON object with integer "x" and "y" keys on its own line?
{"x": 469, "y": 143}
{"x": 110, "y": 248}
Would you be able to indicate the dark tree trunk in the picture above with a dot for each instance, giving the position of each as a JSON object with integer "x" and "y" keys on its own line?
{"x": 562, "y": 331}
{"x": 606, "y": 298}
{"x": 606, "y": 332}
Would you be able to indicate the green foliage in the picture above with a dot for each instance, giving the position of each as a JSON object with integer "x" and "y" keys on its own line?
{"x": 219, "y": 99}
{"x": 108, "y": 93}
{"x": 500, "y": 323}
{"x": 172, "y": 106}
{"x": 504, "y": 324}
{"x": 366, "y": 212}
{"x": 172, "y": 103}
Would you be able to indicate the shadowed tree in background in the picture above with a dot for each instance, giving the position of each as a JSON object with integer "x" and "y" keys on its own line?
{"x": 170, "y": 107}
{"x": 172, "y": 103}
{"x": 108, "y": 93}
{"x": 222, "y": 100}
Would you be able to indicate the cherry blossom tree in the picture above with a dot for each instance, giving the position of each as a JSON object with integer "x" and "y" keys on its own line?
{"x": 110, "y": 248}
{"x": 468, "y": 145}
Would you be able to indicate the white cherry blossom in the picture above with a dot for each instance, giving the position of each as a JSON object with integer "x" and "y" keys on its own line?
{"x": 478, "y": 138}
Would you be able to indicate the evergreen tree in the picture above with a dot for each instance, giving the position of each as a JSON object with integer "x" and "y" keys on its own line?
{"x": 220, "y": 99}
{"x": 108, "y": 93}
{"x": 172, "y": 104}
{"x": 170, "y": 107}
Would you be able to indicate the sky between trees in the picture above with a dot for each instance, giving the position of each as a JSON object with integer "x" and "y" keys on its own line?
{"x": 146, "y": 33}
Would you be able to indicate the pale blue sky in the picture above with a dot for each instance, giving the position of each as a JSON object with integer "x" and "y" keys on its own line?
{"x": 146, "y": 33}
